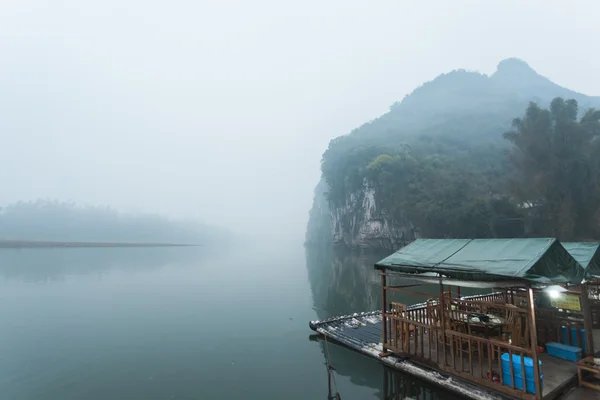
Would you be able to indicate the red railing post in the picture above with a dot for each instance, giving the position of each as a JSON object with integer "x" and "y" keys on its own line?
{"x": 443, "y": 321}
{"x": 383, "y": 312}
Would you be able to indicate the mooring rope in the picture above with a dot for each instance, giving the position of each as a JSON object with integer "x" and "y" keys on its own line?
{"x": 330, "y": 373}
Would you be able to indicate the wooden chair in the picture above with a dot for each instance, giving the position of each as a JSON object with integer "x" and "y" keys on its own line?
{"x": 519, "y": 332}
{"x": 458, "y": 321}
{"x": 433, "y": 313}
{"x": 517, "y": 329}
{"x": 402, "y": 330}
{"x": 515, "y": 324}
{"x": 510, "y": 314}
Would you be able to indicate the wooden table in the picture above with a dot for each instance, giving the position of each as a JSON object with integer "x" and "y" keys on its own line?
{"x": 494, "y": 322}
{"x": 587, "y": 364}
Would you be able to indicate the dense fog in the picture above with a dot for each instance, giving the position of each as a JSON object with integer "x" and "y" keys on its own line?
{"x": 221, "y": 111}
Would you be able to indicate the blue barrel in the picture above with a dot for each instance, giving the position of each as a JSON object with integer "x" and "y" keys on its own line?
{"x": 517, "y": 362}
{"x": 564, "y": 336}
{"x": 574, "y": 337}
{"x": 583, "y": 340}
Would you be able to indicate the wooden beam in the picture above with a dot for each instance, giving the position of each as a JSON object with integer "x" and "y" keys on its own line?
{"x": 534, "y": 344}
{"x": 405, "y": 286}
{"x": 493, "y": 342}
{"x": 433, "y": 280}
{"x": 400, "y": 290}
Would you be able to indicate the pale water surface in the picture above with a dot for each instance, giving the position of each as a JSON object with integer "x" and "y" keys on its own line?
{"x": 183, "y": 323}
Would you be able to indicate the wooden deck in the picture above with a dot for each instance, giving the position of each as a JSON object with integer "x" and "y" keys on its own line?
{"x": 362, "y": 332}
{"x": 576, "y": 393}
{"x": 582, "y": 393}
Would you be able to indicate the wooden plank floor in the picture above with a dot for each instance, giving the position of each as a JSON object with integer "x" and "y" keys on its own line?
{"x": 559, "y": 374}
{"x": 586, "y": 393}
{"x": 580, "y": 393}
{"x": 364, "y": 331}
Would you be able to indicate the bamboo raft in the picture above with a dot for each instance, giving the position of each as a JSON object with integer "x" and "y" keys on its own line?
{"x": 362, "y": 332}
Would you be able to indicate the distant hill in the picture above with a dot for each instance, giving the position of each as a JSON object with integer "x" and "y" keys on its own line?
{"x": 466, "y": 104}
{"x": 54, "y": 221}
{"x": 446, "y": 134}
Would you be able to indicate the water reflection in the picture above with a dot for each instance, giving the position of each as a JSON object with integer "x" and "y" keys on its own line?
{"x": 397, "y": 386}
{"x": 389, "y": 384}
{"x": 54, "y": 264}
{"x": 360, "y": 370}
{"x": 343, "y": 282}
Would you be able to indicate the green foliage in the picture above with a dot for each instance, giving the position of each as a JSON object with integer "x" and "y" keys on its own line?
{"x": 446, "y": 188}
{"x": 345, "y": 168}
{"x": 556, "y": 167}
{"x": 456, "y": 188}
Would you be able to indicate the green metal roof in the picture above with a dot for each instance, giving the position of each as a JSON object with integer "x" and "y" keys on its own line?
{"x": 541, "y": 260}
{"x": 587, "y": 254}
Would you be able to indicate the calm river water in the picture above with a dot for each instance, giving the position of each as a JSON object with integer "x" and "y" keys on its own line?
{"x": 184, "y": 324}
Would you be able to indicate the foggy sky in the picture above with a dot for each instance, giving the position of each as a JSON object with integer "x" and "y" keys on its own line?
{"x": 220, "y": 110}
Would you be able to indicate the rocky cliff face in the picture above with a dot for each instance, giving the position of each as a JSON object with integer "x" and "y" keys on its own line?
{"x": 358, "y": 224}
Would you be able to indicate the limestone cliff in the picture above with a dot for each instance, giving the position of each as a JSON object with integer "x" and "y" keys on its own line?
{"x": 358, "y": 224}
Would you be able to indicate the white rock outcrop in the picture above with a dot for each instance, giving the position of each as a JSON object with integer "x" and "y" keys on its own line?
{"x": 360, "y": 224}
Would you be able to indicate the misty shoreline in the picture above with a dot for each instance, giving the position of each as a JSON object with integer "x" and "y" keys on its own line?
{"x": 12, "y": 244}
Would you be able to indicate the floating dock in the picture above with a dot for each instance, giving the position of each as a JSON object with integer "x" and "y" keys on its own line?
{"x": 362, "y": 332}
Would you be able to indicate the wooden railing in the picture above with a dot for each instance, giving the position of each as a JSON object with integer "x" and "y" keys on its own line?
{"x": 408, "y": 329}
{"x": 593, "y": 291}
{"x": 479, "y": 359}
{"x": 440, "y": 333}
{"x": 490, "y": 297}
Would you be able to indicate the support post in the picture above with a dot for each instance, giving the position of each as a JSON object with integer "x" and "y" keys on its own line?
{"x": 383, "y": 312}
{"x": 534, "y": 343}
{"x": 587, "y": 319}
{"x": 329, "y": 394}
{"x": 386, "y": 385}
{"x": 442, "y": 321}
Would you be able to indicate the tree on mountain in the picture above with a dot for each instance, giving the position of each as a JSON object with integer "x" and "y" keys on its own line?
{"x": 443, "y": 192}
{"x": 556, "y": 169}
